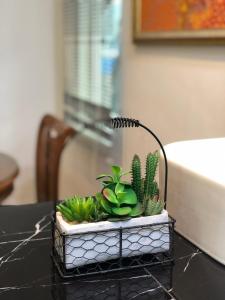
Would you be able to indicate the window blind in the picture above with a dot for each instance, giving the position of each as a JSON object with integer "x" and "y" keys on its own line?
{"x": 92, "y": 51}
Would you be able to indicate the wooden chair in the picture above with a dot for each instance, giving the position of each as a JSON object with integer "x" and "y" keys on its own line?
{"x": 52, "y": 137}
{"x": 8, "y": 172}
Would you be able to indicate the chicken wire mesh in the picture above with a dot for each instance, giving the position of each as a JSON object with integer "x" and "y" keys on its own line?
{"x": 112, "y": 250}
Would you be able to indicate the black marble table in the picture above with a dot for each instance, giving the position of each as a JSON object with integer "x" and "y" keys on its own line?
{"x": 27, "y": 272}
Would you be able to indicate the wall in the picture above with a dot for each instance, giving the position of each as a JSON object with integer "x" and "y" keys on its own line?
{"x": 179, "y": 91}
{"x": 29, "y": 84}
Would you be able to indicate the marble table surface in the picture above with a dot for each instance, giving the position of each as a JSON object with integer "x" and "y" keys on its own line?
{"x": 27, "y": 271}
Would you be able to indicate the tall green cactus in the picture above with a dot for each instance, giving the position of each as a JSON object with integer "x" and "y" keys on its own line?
{"x": 150, "y": 186}
{"x": 136, "y": 177}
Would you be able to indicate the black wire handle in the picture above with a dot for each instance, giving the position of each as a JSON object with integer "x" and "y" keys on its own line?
{"x": 121, "y": 122}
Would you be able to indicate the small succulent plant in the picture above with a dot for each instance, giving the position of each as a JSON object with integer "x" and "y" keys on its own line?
{"x": 81, "y": 209}
{"x": 118, "y": 199}
{"x": 154, "y": 206}
{"x": 119, "y": 203}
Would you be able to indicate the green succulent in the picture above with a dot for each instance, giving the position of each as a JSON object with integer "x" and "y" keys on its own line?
{"x": 136, "y": 177}
{"x": 119, "y": 202}
{"x": 112, "y": 179}
{"x": 118, "y": 199}
{"x": 81, "y": 209}
{"x": 154, "y": 206}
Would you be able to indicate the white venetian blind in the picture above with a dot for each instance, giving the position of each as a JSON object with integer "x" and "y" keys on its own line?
{"x": 92, "y": 51}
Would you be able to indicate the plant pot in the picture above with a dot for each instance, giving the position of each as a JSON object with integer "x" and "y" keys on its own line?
{"x": 82, "y": 244}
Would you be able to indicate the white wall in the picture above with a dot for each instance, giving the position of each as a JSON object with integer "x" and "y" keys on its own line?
{"x": 28, "y": 83}
{"x": 179, "y": 91}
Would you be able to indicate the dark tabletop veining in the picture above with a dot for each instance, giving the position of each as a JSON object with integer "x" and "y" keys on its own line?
{"x": 27, "y": 271}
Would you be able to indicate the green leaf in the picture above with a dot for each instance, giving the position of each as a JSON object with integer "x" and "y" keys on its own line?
{"x": 128, "y": 197}
{"x": 104, "y": 175}
{"x": 109, "y": 195}
{"x": 65, "y": 211}
{"x": 121, "y": 195}
{"x": 104, "y": 203}
{"x": 106, "y": 206}
{"x": 119, "y": 188}
{"x": 121, "y": 211}
{"x": 116, "y": 170}
{"x": 126, "y": 183}
{"x": 137, "y": 210}
{"x": 99, "y": 197}
{"x": 125, "y": 173}
{"x": 109, "y": 184}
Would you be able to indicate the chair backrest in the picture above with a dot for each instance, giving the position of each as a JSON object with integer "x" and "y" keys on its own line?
{"x": 52, "y": 137}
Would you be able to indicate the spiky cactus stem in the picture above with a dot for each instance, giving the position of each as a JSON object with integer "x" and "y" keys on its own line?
{"x": 150, "y": 186}
{"x": 136, "y": 177}
{"x": 154, "y": 189}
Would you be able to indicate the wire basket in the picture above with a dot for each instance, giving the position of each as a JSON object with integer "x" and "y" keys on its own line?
{"x": 146, "y": 241}
{"x": 113, "y": 250}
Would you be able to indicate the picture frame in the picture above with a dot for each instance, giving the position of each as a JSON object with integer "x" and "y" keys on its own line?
{"x": 142, "y": 30}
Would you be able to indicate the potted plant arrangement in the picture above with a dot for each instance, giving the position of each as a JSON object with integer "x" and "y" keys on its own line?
{"x": 124, "y": 219}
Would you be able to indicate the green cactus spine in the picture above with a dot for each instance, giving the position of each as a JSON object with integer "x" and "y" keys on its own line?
{"x": 136, "y": 177}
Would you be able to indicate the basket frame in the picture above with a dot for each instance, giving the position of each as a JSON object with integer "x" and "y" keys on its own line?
{"x": 135, "y": 261}
{"x": 119, "y": 264}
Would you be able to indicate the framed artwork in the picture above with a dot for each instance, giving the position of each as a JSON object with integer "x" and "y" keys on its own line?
{"x": 179, "y": 19}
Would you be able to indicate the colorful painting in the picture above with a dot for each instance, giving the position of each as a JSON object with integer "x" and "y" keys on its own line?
{"x": 156, "y": 19}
